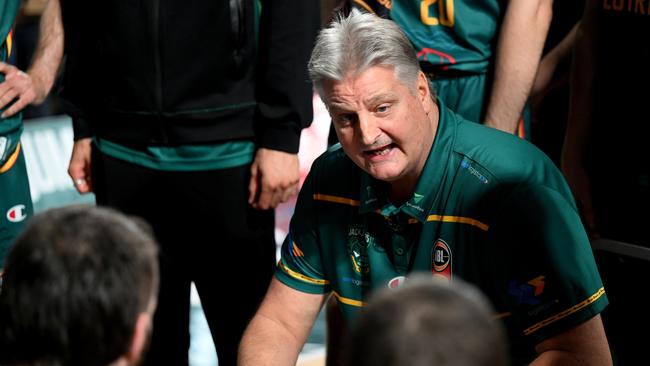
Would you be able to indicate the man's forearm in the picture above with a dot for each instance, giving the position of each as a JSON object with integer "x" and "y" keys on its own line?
{"x": 49, "y": 52}
{"x": 521, "y": 41}
{"x": 580, "y": 101}
{"x": 266, "y": 342}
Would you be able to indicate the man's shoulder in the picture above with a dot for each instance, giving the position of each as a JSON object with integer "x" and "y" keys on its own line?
{"x": 503, "y": 154}
{"x": 333, "y": 160}
{"x": 334, "y": 172}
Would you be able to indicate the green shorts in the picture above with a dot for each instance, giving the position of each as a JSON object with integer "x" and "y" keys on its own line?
{"x": 466, "y": 95}
{"x": 15, "y": 200}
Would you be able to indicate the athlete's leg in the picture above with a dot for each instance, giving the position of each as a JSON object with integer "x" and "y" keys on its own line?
{"x": 146, "y": 193}
{"x": 235, "y": 253}
{"x": 464, "y": 95}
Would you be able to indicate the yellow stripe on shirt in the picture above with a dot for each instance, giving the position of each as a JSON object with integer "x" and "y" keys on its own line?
{"x": 345, "y": 300}
{"x": 11, "y": 160}
{"x": 460, "y": 220}
{"x": 302, "y": 277}
{"x": 566, "y": 313}
{"x": 335, "y": 199}
{"x": 10, "y": 41}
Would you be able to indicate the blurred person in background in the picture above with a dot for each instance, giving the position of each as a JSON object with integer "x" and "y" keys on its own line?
{"x": 427, "y": 322}
{"x": 79, "y": 290}
{"x": 17, "y": 90}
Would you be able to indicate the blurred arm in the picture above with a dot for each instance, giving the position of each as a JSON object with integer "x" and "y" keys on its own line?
{"x": 519, "y": 50}
{"x": 34, "y": 85}
{"x": 580, "y": 115}
{"x": 585, "y": 344}
{"x": 287, "y": 33}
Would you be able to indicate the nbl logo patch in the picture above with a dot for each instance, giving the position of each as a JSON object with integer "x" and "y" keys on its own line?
{"x": 441, "y": 259}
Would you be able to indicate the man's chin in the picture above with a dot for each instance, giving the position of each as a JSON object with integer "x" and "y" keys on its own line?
{"x": 386, "y": 175}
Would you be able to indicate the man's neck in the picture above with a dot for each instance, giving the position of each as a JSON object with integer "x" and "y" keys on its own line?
{"x": 401, "y": 190}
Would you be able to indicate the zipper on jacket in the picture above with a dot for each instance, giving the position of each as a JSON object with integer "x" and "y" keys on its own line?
{"x": 157, "y": 57}
{"x": 237, "y": 25}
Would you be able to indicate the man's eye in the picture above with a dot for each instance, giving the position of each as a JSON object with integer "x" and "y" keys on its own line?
{"x": 383, "y": 108}
{"x": 344, "y": 119}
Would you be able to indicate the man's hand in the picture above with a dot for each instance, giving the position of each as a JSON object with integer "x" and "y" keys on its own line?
{"x": 79, "y": 168}
{"x": 17, "y": 86}
{"x": 274, "y": 178}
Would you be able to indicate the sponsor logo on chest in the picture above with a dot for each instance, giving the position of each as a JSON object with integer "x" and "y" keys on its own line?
{"x": 357, "y": 246}
{"x": 441, "y": 260}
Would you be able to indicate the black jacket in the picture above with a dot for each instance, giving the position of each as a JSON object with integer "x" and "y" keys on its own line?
{"x": 189, "y": 71}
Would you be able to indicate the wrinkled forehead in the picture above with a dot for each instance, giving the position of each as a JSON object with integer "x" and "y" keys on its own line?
{"x": 369, "y": 85}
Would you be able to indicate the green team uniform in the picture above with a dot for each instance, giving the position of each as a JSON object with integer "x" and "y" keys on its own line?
{"x": 15, "y": 198}
{"x": 488, "y": 208}
{"x": 454, "y": 41}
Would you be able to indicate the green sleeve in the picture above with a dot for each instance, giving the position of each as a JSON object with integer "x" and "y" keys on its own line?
{"x": 548, "y": 277}
{"x": 300, "y": 266}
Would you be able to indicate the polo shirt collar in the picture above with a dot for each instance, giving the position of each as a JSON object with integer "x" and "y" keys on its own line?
{"x": 430, "y": 185}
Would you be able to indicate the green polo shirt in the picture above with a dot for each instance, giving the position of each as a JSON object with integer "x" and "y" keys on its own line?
{"x": 489, "y": 208}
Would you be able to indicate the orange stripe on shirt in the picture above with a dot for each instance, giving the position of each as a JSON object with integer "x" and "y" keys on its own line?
{"x": 591, "y": 299}
{"x": 460, "y": 220}
{"x": 335, "y": 199}
{"x": 11, "y": 160}
{"x": 10, "y": 42}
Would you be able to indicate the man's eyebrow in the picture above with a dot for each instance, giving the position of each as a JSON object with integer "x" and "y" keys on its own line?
{"x": 381, "y": 98}
{"x": 332, "y": 109}
{"x": 337, "y": 107}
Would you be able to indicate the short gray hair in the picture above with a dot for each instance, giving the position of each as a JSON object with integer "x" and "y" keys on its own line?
{"x": 357, "y": 42}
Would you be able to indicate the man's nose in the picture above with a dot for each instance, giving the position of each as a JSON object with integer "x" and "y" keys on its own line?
{"x": 368, "y": 129}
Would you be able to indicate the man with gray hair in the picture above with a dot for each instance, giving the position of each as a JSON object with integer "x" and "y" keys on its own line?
{"x": 414, "y": 187}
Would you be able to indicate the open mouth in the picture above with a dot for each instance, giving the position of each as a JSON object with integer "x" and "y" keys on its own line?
{"x": 380, "y": 151}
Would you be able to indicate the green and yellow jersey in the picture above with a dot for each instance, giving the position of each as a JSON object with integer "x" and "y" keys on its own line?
{"x": 10, "y": 128}
{"x": 15, "y": 201}
{"x": 454, "y": 41}
{"x": 448, "y": 35}
{"x": 489, "y": 208}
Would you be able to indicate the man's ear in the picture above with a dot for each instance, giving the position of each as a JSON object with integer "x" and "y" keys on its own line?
{"x": 424, "y": 91}
{"x": 141, "y": 334}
